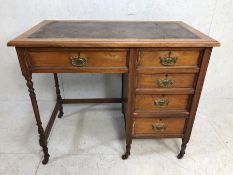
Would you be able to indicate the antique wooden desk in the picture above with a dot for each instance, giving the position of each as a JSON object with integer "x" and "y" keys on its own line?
{"x": 163, "y": 66}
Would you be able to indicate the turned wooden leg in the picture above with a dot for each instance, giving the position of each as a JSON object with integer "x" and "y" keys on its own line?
{"x": 127, "y": 125}
{"x": 182, "y": 150}
{"x": 59, "y": 99}
{"x": 128, "y": 145}
{"x": 127, "y": 153}
{"x": 42, "y": 138}
{"x": 122, "y": 98}
{"x": 122, "y": 94}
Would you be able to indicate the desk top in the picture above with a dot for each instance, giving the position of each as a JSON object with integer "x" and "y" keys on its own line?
{"x": 112, "y": 34}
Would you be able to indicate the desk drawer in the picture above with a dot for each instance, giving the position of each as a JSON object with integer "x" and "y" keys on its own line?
{"x": 78, "y": 59}
{"x": 161, "y": 102}
{"x": 168, "y": 58}
{"x": 158, "y": 126}
{"x": 165, "y": 80}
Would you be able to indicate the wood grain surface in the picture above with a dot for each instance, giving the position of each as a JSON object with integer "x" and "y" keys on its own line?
{"x": 183, "y": 57}
{"x": 147, "y": 102}
{"x": 145, "y": 125}
{"x": 177, "y": 80}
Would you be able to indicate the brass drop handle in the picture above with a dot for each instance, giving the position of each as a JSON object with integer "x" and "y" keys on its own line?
{"x": 169, "y": 60}
{"x": 165, "y": 82}
{"x": 163, "y": 102}
{"x": 78, "y": 61}
{"x": 159, "y": 127}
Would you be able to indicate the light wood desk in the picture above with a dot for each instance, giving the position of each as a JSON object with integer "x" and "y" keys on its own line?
{"x": 163, "y": 66}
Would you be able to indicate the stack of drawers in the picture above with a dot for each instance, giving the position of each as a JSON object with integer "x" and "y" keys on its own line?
{"x": 165, "y": 84}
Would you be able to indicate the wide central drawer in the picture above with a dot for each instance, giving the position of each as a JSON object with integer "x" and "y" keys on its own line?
{"x": 78, "y": 60}
{"x": 161, "y": 102}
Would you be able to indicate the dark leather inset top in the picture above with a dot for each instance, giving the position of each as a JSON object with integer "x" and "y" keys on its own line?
{"x": 138, "y": 30}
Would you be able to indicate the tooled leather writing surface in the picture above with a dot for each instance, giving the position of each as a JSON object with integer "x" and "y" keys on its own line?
{"x": 88, "y": 29}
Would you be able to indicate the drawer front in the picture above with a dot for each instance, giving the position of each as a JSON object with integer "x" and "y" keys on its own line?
{"x": 158, "y": 126}
{"x": 161, "y": 102}
{"x": 165, "y": 80}
{"x": 166, "y": 58}
{"x": 76, "y": 59}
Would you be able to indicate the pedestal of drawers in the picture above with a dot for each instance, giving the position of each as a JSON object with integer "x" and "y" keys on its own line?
{"x": 167, "y": 86}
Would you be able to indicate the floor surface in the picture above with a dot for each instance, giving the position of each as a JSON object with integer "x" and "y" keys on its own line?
{"x": 89, "y": 139}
